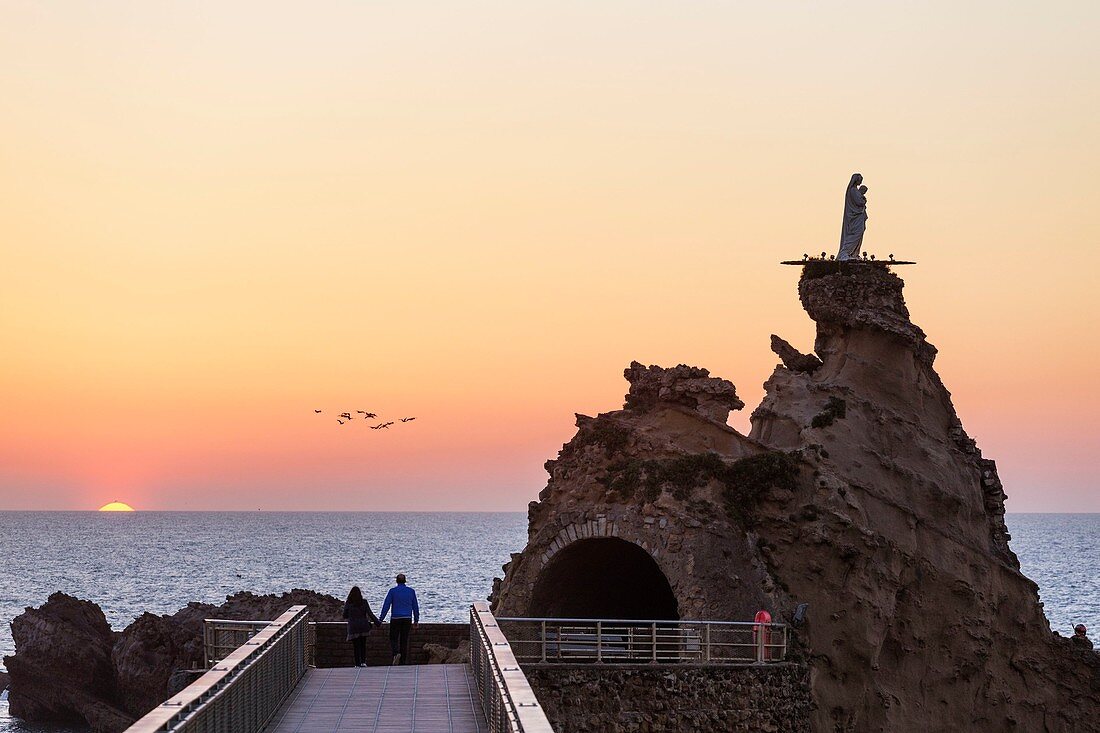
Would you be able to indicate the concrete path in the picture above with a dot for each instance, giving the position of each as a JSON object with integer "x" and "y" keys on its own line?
{"x": 428, "y": 698}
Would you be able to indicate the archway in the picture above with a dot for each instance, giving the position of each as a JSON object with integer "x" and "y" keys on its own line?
{"x": 603, "y": 577}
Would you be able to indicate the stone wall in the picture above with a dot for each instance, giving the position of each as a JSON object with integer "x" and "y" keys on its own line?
{"x": 334, "y": 650}
{"x": 579, "y": 698}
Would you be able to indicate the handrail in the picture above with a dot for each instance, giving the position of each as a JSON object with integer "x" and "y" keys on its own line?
{"x": 506, "y": 696}
{"x": 221, "y": 637}
{"x": 245, "y": 689}
{"x": 543, "y": 640}
{"x": 638, "y": 621}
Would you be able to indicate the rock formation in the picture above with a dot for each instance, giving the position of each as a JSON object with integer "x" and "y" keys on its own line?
{"x": 62, "y": 670}
{"x": 70, "y": 667}
{"x": 857, "y": 491}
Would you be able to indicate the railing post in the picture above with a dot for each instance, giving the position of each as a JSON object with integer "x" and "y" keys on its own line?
{"x": 653, "y": 638}
{"x": 761, "y": 643}
{"x": 544, "y": 641}
{"x": 599, "y": 641}
{"x": 706, "y": 642}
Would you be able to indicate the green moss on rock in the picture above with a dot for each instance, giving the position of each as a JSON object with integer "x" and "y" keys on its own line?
{"x": 835, "y": 409}
{"x": 742, "y": 481}
{"x": 610, "y": 435}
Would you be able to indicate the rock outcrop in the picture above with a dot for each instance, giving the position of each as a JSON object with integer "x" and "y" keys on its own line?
{"x": 792, "y": 358}
{"x": 684, "y": 385}
{"x": 62, "y": 670}
{"x": 439, "y": 654}
{"x": 70, "y": 667}
{"x": 857, "y": 491}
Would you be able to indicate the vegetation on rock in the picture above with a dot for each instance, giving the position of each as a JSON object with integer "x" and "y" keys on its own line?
{"x": 612, "y": 436}
{"x": 742, "y": 481}
{"x": 835, "y": 409}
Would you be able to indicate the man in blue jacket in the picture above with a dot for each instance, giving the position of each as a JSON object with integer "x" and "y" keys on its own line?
{"x": 406, "y": 614}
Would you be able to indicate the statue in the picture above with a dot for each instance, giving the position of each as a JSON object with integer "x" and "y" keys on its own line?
{"x": 855, "y": 219}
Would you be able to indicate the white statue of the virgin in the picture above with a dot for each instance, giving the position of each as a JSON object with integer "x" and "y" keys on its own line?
{"x": 855, "y": 219}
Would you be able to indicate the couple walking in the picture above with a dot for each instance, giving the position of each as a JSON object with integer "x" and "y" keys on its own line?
{"x": 406, "y": 615}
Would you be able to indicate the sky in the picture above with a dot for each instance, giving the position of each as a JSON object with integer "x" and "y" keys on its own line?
{"x": 217, "y": 217}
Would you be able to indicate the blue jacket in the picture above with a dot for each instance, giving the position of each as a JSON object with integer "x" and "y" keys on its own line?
{"x": 403, "y": 600}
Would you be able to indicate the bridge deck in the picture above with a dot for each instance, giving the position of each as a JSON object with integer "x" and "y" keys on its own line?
{"x": 436, "y": 698}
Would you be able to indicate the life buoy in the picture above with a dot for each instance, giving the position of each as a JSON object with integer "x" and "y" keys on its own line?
{"x": 762, "y": 635}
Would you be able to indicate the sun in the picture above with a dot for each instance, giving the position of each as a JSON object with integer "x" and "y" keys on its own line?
{"x": 116, "y": 506}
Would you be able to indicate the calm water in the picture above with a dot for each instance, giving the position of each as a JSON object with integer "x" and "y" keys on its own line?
{"x": 149, "y": 561}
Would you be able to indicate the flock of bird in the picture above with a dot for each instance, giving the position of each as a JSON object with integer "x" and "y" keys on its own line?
{"x": 344, "y": 417}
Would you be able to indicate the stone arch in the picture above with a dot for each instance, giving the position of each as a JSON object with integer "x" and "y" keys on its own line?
{"x": 603, "y": 577}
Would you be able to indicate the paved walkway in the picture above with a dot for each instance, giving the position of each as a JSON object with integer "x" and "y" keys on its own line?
{"x": 428, "y": 698}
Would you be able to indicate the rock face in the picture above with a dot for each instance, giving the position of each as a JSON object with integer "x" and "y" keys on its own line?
{"x": 857, "y": 492}
{"x": 62, "y": 672}
{"x": 649, "y": 499}
{"x": 684, "y": 385}
{"x": 792, "y": 358}
{"x": 69, "y": 665}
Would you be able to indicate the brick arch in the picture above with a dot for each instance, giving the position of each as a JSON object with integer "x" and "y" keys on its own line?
{"x": 603, "y": 576}
{"x": 600, "y": 527}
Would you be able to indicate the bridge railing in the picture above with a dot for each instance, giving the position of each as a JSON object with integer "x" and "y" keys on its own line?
{"x": 506, "y": 697}
{"x": 634, "y": 641}
{"x": 221, "y": 637}
{"x": 243, "y": 690}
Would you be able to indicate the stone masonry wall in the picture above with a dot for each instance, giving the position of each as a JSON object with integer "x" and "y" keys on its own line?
{"x": 334, "y": 650}
{"x": 583, "y": 698}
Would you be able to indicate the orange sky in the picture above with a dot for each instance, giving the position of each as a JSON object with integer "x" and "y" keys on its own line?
{"x": 214, "y": 220}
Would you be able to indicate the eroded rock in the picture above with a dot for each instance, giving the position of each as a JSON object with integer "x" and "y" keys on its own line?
{"x": 439, "y": 654}
{"x": 892, "y": 529}
{"x": 792, "y": 358}
{"x": 62, "y": 671}
{"x": 683, "y": 385}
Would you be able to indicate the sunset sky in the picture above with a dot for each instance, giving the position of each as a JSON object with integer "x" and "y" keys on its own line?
{"x": 216, "y": 217}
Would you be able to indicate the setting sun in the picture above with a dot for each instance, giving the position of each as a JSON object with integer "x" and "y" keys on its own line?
{"x": 116, "y": 506}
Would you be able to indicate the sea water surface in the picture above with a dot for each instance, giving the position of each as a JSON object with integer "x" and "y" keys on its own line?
{"x": 159, "y": 561}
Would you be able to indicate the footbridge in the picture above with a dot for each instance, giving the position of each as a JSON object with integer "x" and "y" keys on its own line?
{"x": 262, "y": 678}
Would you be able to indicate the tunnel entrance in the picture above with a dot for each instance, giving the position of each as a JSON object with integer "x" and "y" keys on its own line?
{"x": 603, "y": 578}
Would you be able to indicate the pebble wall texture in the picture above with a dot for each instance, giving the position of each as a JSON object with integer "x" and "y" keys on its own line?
{"x": 583, "y": 698}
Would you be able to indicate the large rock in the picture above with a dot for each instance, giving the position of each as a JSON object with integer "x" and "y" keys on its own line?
{"x": 857, "y": 491}
{"x": 62, "y": 671}
{"x": 691, "y": 387}
{"x": 4, "y": 681}
{"x": 69, "y": 665}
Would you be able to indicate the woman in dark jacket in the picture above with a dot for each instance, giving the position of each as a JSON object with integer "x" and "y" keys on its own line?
{"x": 360, "y": 619}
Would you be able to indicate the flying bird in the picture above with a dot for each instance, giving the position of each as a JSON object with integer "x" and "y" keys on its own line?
{"x": 317, "y": 412}
{"x": 339, "y": 421}
{"x": 345, "y": 415}
{"x": 379, "y": 427}
{"x": 407, "y": 419}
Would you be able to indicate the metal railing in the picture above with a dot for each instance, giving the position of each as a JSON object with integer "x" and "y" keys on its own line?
{"x": 506, "y": 697}
{"x": 221, "y": 637}
{"x": 243, "y": 691}
{"x": 629, "y": 641}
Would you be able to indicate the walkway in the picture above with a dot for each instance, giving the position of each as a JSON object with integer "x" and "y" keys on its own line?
{"x": 436, "y": 698}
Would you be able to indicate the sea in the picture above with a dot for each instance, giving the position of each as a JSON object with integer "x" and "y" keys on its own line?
{"x": 129, "y": 563}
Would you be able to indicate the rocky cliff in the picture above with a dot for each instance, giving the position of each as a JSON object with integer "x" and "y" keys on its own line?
{"x": 857, "y": 491}
{"x": 70, "y": 667}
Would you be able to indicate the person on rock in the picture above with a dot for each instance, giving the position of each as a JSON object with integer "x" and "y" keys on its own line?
{"x": 1080, "y": 641}
{"x": 360, "y": 621}
{"x": 406, "y": 616}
